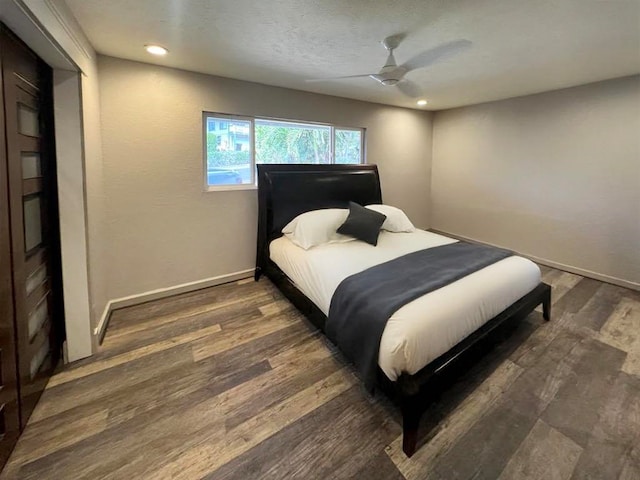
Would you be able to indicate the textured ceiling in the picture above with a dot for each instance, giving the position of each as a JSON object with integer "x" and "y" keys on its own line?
{"x": 517, "y": 47}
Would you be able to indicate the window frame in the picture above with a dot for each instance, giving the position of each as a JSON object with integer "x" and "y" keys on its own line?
{"x": 205, "y": 166}
{"x": 252, "y": 119}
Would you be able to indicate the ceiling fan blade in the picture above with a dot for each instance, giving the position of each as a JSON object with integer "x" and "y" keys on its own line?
{"x": 409, "y": 89}
{"x": 328, "y": 79}
{"x": 426, "y": 58}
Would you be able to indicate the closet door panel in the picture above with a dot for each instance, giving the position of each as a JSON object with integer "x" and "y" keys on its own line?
{"x": 33, "y": 218}
{"x": 9, "y": 414}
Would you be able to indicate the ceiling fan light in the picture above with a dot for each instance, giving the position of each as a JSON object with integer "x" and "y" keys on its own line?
{"x": 389, "y": 82}
{"x": 422, "y": 102}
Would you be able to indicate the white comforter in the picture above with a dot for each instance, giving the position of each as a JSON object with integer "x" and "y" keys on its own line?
{"x": 423, "y": 329}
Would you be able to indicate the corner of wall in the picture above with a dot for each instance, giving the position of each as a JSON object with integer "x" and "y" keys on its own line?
{"x": 543, "y": 174}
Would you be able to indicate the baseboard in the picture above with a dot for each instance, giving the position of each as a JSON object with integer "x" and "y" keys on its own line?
{"x": 550, "y": 263}
{"x": 163, "y": 293}
{"x": 102, "y": 324}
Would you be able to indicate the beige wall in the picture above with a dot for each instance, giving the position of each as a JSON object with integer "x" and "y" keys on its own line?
{"x": 554, "y": 175}
{"x": 161, "y": 229}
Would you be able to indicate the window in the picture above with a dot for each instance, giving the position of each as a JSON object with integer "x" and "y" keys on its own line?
{"x": 228, "y": 151}
{"x": 348, "y": 145}
{"x": 287, "y": 142}
{"x": 234, "y": 145}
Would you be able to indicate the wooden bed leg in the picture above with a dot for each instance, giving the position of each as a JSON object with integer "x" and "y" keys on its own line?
{"x": 409, "y": 441}
{"x": 546, "y": 305}
{"x": 410, "y": 421}
{"x": 257, "y": 274}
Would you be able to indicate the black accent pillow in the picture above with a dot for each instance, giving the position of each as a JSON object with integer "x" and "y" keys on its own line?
{"x": 363, "y": 224}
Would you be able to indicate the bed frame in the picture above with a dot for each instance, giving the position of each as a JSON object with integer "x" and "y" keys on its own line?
{"x": 286, "y": 191}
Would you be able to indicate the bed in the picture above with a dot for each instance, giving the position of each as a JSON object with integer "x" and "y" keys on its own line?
{"x": 423, "y": 337}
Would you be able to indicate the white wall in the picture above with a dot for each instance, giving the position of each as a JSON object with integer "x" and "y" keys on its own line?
{"x": 161, "y": 228}
{"x": 554, "y": 175}
{"x": 71, "y": 187}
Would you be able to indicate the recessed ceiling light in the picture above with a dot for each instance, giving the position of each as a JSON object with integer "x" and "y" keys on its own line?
{"x": 422, "y": 103}
{"x": 156, "y": 50}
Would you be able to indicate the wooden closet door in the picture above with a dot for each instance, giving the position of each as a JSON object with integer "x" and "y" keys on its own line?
{"x": 33, "y": 217}
{"x": 9, "y": 415}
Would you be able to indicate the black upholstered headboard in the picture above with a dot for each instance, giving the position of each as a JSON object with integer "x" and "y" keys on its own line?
{"x": 286, "y": 191}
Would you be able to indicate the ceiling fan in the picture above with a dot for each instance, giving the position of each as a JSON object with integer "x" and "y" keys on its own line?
{"x": 393, "y": 75}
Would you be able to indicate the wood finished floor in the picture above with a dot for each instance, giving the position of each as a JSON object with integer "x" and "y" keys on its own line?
{"x": 232, "y": 383}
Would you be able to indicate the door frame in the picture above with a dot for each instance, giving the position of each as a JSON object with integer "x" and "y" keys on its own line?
{"x": 53, "y": 34}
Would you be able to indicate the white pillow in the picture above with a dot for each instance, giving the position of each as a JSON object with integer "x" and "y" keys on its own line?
{"x": 317, "y": 227}
{"x": 397, "y": 221}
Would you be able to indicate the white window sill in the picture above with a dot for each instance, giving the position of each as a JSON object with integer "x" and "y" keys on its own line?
{"x": 229, "y": 188}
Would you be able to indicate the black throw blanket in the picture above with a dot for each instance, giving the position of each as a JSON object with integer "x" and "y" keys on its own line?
{"x": 363, "y": 303}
